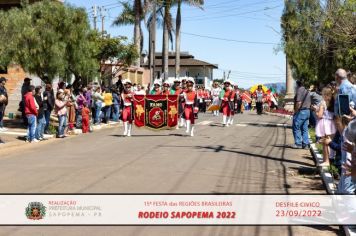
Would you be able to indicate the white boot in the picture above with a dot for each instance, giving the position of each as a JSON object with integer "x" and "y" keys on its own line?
{"x": 192, "y": 131}
{"x": 184, "y": 122}
{"x": 129, "y": 130}
{"x": 231, "y": 120}
{"x": 125, "y": 128}
{"x": 228, "y": 121}
{"x": 224, "y": 120}
{"x": 188, "y": 126}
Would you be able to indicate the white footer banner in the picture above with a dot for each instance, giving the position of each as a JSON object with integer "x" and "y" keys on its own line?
{"x": 177, "y": 209}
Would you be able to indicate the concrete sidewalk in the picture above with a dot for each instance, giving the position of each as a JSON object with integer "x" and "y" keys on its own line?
{"x": 15, "y": 132}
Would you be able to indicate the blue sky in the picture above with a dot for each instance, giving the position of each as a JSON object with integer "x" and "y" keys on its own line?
{"x": 226, "y": 23}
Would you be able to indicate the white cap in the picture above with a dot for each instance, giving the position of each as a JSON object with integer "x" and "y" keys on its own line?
{"x": 228, "y": 81}
{"x": 176, "y": 79}
{"x": 166, "y": 82}
{"x": 191, "y": 79}
{"x": 126, "y": 81}
{"x": 156, "y": 81}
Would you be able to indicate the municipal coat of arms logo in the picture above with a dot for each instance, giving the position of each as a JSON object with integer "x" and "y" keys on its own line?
{"x": 35, "y": 211}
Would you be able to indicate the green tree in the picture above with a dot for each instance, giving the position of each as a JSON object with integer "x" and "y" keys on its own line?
{"x": 318, "y": 39}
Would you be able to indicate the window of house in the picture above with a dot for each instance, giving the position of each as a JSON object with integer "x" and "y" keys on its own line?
{"x": 187, "y": 73}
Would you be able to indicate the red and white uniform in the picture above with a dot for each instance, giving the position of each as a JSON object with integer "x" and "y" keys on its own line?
{"x": 190, "y": 107}
{"x": 167, "y": 92}
{"x": 229, "y": 96}
{"x": 127, "y": 98}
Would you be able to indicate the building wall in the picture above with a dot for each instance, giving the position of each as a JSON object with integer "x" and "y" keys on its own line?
{"x": 200, "y": 73}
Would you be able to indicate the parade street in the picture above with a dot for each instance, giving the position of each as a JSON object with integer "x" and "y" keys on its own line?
{"x": 249, "y": 157}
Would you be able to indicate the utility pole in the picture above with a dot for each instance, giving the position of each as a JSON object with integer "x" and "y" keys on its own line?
{"x": 152, "y": 47}
{"x": 95, "y": 15}
{"x": 224, "y": 76}
{"x": 102, "y": 15}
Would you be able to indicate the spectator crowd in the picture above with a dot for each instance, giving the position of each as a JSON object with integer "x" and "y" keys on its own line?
{"x": 320, "y": 107}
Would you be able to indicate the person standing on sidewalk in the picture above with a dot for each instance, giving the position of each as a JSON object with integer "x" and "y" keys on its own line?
{"x": 48, "y": 105}
{"x": 41, "y": 120}
{"x": 107, "y": 104}
{"x": 98, "y": 100}
{"x": 346, "y": 186}
{"x": 24, "y": 89}
{"x": 302, "y": 103}
{"x": 61, "y": 111}
{"x": 3, "y": 102}
{"x": 85, "y": 118}
{"x": 31, "y": 114}
{"x": 116, "y": 104}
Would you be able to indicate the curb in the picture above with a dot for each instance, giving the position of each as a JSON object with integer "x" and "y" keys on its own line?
{"x": 76, "y": 132}
{"x": 328, "y": 181}
{"x": 279, "y": 115}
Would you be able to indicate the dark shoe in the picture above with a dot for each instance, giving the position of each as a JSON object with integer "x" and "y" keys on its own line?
{"x": 306, "y": 146}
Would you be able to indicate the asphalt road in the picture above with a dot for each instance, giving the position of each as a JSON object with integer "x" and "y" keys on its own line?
{"x": 249, "y": 157}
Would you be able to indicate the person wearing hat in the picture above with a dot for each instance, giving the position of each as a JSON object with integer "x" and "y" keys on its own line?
{"x": 127, "y": 110}
{"x": 215, "y": 93}
{"x": 3, "y": 102}
{"x": 156, "y": 88}
{"x": 191, "y": 106}
{"x": 165, "y": 87}
{"x": 227, "y": 96}
{"x": 177, "y": 90}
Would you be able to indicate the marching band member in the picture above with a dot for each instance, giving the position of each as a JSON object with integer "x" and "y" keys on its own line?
{"x": 191, "y": 106}
{"x": 165, "y": 87}
{"x": 127, "y": 110}
{"x": 156, "y": 88}
{"x": 227, "y": 96}
{"x": 215, "y": 93}
{"x": 177, "y": 90}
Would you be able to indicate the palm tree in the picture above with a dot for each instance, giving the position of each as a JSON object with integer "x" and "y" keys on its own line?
{"x": 197, "y": 3}
{"x": 133, "y": 15}
{"x": 167, "y": 26}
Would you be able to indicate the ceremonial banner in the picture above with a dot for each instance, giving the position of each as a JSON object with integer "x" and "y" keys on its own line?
{"x": 139, "y": 110}
{"x": 156, "y": 111}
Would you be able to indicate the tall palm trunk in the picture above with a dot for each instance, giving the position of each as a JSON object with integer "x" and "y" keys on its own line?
{"x": 137, "y": 30}
{"x": 178, "y": 26}
{"x": 166, "y": 38}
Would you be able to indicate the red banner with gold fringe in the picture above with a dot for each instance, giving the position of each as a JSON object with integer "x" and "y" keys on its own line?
{"x": 156, "y": 111}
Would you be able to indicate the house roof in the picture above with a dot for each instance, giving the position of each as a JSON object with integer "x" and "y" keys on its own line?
{"x": 185, "y": 60}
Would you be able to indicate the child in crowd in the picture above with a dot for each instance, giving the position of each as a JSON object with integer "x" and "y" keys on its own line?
{"x": 325, "y": 126}
{"x": 85, "y": 118}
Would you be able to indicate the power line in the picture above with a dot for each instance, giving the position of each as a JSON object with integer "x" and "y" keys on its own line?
{"x": 231, "y": 9}
{"x": 224, "y": 16}
{"x": 229, "y": 40}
